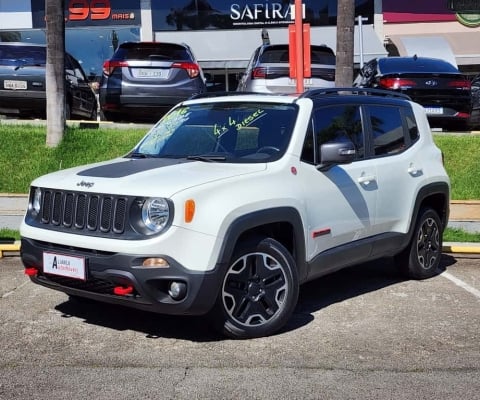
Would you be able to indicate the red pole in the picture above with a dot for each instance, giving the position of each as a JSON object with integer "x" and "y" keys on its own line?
{"x": 299, "y": 44}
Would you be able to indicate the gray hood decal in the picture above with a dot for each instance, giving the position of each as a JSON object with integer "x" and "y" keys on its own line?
{"x": 130, "y": 167}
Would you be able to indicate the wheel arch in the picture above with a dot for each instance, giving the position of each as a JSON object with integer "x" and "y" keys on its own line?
{"x": 435, "y": 196}
{"x": 283, "y": 224}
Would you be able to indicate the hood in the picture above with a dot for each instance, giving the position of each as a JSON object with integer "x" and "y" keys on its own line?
{"x": 143, "y": 177}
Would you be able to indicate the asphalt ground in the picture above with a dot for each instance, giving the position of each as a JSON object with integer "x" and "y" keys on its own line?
{"x": 361, "y": 333}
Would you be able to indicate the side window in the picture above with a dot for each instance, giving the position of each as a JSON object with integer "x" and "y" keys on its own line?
{"x": 387, "y": 130}
{"x": 68, "y": 66}
{"x": 77, "y": 70}
{"x": 411, "y": 125}
{"x": 308, "y": 150}
{"x": 340, "y": 123}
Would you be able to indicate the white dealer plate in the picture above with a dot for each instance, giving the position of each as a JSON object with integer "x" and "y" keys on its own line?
{"x": 434, "y": 110}
{"x": 150, "y": 73}
{"x": 306, "y": 82}
{"x": 14, "y": 85}
{"x": 63, "y": 265}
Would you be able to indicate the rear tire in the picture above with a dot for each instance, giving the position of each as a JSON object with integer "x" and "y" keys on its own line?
{"x": 421, "y": 258}
{"x": 259, "y": 290}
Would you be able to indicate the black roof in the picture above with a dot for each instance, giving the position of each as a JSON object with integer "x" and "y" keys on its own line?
{"x": 387, "y": 65}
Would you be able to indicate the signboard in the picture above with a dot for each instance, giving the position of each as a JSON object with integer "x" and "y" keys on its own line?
{"x": 183, "y": 15}
{"x": 82, "y": 13}
{"x": 464, "y": 6}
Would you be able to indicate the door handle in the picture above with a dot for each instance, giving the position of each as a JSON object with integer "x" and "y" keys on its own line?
{"x": 366, "y": 179}
{"x": 412, "y": 170}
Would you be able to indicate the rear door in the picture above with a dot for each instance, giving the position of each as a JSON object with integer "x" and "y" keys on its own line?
{"x": 400, "y": 164}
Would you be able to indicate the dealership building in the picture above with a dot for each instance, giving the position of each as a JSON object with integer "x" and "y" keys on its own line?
{"x": 223, "y": 34}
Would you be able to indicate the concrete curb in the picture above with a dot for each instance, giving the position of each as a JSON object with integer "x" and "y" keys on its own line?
{"x": 461, "y": 211}
{"x": 10, "y": 249}
{"x": 452, "y": 247}
{"x": 13, "y": 249}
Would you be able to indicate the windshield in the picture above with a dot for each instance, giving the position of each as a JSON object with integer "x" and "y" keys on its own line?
{"x": 221, "y": 132}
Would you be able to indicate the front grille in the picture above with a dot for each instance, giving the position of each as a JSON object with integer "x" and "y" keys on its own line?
{"x": 86, "y": 212}
{"x": 91, "y": 285}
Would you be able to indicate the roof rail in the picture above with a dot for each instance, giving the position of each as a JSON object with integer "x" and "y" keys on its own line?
{"x": 312, "y": 93}
{"x": 220, "y": 94}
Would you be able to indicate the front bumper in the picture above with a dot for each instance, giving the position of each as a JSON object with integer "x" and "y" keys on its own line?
{"x": 107, "y": 271}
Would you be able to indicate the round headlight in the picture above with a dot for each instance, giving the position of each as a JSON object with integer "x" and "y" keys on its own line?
{"x": 37, "y": 200}
{"x": 155, "y": 214}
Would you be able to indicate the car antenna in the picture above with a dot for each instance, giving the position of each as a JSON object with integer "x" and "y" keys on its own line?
{"x": 415, "y": 57}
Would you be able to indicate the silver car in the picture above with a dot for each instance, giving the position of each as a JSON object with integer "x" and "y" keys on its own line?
{"x": 144, "y": 79}
{"x": 268, "y": 70}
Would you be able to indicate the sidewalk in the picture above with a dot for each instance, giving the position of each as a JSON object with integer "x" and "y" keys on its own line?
{"x": 463, "y": 215}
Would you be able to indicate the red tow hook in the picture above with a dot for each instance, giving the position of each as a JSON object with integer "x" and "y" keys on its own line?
{"x": 31, "y": 271}
{"x": 123, "y": 291}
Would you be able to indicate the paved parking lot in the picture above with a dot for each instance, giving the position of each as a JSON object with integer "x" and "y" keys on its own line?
{"x": 362, "y": 333}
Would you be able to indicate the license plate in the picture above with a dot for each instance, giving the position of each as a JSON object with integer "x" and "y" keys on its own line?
{"x": 15, "y": 85}
{"x": 150, "y": 73}
{"x": 306, "y": 82}
{"x": 434, "y": 110}
{"x": 63, "y": 265}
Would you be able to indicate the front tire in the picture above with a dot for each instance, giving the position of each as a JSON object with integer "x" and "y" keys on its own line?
{"x": 421, "y": 259}
{"x": 259, "y": 290}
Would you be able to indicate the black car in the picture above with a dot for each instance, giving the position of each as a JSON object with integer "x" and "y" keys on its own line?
{"x": 436, "y": 84}
{"x": 23, "y": 89}
{"x": 145, "y": 79}
{"x": 475, "y": 116}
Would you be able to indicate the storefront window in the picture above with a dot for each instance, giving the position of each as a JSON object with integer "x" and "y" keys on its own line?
{"x": 91, "y": 47}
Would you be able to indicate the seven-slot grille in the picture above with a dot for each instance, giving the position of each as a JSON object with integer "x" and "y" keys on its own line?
{"x": 93, "y": 212}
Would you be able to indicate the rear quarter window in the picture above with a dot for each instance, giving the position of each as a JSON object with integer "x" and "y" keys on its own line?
{"x": 158, "y": 53}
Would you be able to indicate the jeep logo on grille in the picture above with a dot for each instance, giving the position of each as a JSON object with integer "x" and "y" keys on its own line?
{"x": 431, "y": 82}
{"x": 86, "y": 184}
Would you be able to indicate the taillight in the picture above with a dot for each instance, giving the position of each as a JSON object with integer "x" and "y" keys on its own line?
{"x": 110, "y": 65}
{"x": 192, "y": 69}
{"x": 396, "y": 83}
{"x": 461, "y": 84}
{"x": 259, "y": 73}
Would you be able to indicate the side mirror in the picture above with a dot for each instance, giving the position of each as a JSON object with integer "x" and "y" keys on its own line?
{"x": 336, "y": 153}
{"x": 208, "y": 77}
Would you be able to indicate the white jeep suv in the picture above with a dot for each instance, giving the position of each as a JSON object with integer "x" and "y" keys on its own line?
{"x": 231, "y": 202}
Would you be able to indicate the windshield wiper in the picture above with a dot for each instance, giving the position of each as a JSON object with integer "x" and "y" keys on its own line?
{"x": 139, "y": 155}
{"x": 207, "y": 158}
{"x": 27, "y": 64}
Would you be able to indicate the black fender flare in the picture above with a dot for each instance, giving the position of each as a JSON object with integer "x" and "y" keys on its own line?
{"x": 426, "y": 192}
{"x": 257, "y": 219}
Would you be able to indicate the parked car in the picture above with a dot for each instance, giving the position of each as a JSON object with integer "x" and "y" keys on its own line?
{"x": 231, "y": 202}
{"x": 22, "y": 83}
{"x": 435, "y": 84}
{"x": 475, "y": 115}
{"x": 148, "y": 78}
{"x": 268, "y": 70}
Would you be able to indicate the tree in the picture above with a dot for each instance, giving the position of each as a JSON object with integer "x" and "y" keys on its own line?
{"x": 55, "y": 75}
{"x": 345, "y": 37}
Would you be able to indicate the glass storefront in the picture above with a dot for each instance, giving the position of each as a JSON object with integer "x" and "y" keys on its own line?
{"x": 91, "y": 47}
{"x": 93, "y": 28}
